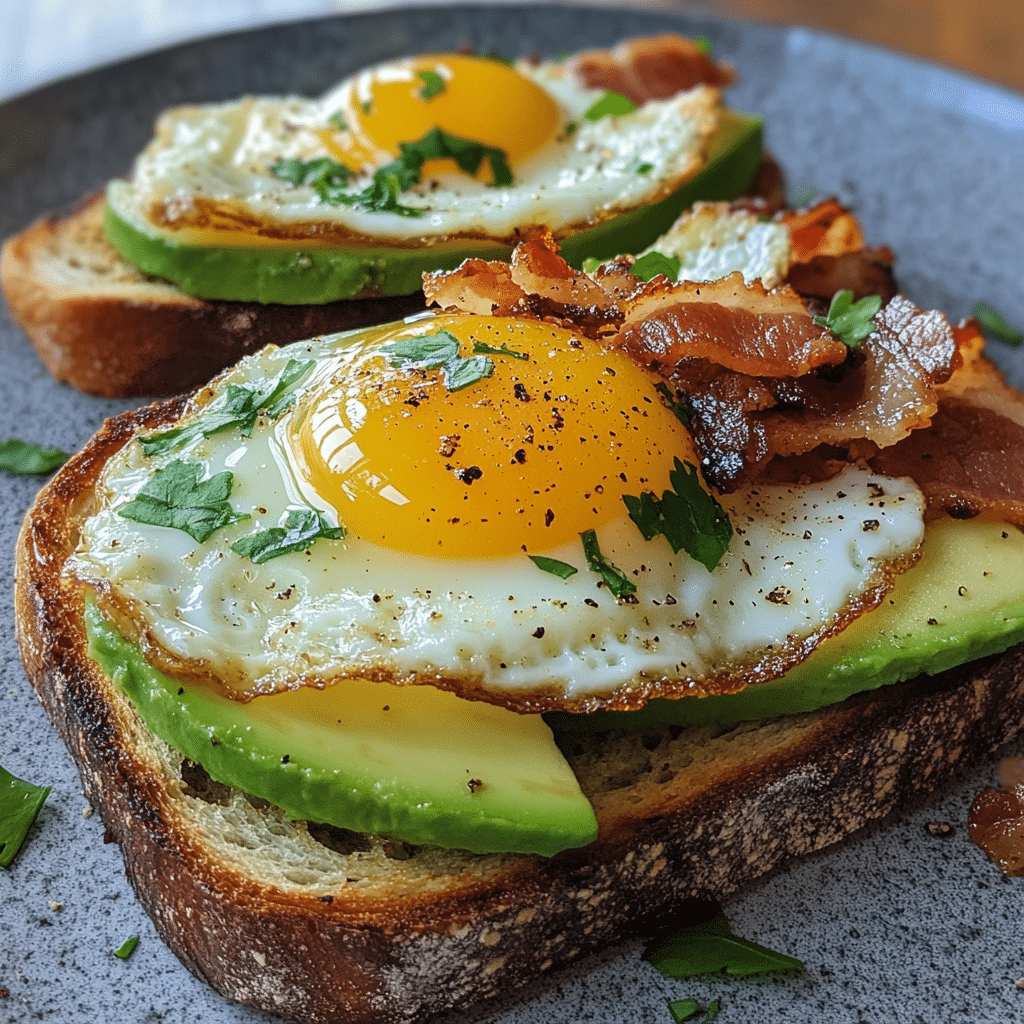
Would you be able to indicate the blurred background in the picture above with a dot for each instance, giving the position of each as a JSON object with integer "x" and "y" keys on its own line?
{"x": 45, "y": 39}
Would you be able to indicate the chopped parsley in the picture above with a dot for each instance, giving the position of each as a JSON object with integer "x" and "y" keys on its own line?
{"x": 655, "y": 263}
{"x": 995, "y": 325}
{"x": 175, "y": 497}
{"x": 614, "y": 578}
{"x": 20, "y": 802}
{"x": 327, "y": 177}
{"x": 439, "y": 351}
{"x": 433, "y": 84}
{"x": 689, "y": 518}
{"x": 338, "y": 120}
{"x": 126, "y": 948}
{"x": 703, "y": 45}
{"x": 25, "y": 458}
{"x": 563, "y": 570}
{"x": 611, "y": 104}
{"x": 712, "y": 946}
{"x": 301, "y": 527}
{"x": 236, "y": 406}
{"x": 675, "y": 403}
{"x": 485, "y": 349}
{"x": 851, "y": 322}
{"x": 330, "y": 179}
{"x": 644, "y": 168}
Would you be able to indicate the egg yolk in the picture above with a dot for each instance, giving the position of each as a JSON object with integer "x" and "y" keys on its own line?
{"x": 524, "y": 459}
{"x": 475, "y": 98}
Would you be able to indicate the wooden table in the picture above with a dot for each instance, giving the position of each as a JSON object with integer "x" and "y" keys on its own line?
{"x": 982, "y": 37}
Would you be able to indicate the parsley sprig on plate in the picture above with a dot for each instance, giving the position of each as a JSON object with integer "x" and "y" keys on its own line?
{"x": 851, "y": 322}
{"x": 20, "y": 803}
{"x": 24, "y": 457}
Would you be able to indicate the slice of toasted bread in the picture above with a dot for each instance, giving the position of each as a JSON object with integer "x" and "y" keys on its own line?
{"x": 108, "y": 329}
{"x": 319, "y": 925}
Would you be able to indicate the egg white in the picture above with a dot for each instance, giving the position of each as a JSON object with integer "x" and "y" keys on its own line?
{"x": 589, "y": 171}
{"x": 798, "y": 556}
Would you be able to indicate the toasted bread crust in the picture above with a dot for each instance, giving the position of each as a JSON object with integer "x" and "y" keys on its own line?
{"x": 105, "y": 328}
{"x": 410, "y": 946}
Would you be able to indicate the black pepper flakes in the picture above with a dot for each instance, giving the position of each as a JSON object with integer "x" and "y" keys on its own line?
{"x": 474, "y": 785}
{"x": 286, "y": 758}
{"x": 327, "y": 899}
{"x": 538, "y": 632}
{"x": 469, "y": 474}
{"x": 549, "y": 517}
{"x": 870, "y": 525}
{"x": 519, "y": 390}
{"x": 780, "y": 595}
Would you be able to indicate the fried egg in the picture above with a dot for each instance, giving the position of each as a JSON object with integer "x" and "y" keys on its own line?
{"x": 452, "y": 496}
{"x": 207, "y": 176}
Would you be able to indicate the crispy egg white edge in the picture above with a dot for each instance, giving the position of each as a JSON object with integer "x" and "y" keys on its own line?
{"x": 351, "y": 606}
{"x": 223, "y": 152}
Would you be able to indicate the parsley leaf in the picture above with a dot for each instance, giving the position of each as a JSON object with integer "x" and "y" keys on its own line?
{"x": 712, "y": 946}
{"x": 25, "y": 458}
{"x": 504, "y": 350}
{"x": 439, "y": 351}
{"x": 301, "y": 527}
{"x": 327, "y": 176}
{"x": 675, "y": 403}
{"x": 684, "y": 1009}
{"x": 126, "y": 948}
{"x": 563, "y": 570}
{"x": 703, "y": 45}
{"x": 237, "y": 406}
{"x": 655, "y": 263}
{"x": 390, "y": 181}
{"x": 615, "y": 579}
{"x": 851, "y": 322}
{"x": 995, "y": 325}
{"x": 611, "y": 104}
{"x": 338, "y": 120}
{"x": 175, "y": 497}
{"x": 20, "y": 802}
{"x": 433, "y": 84}
{"x": 689, "y": 518}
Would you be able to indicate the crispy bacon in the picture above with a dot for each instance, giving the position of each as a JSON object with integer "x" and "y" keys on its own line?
{"x": 741, "y": 327}
{"x": 863, "y": 272}
{"x": 826, "y": 229}
{"x": 649, "y": 68}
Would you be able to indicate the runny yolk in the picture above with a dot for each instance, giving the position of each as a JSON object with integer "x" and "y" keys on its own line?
{"x": 475, "y": 98}
{"x": 525, "y": 459}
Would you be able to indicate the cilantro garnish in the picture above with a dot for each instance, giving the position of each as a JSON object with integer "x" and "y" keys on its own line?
{"x": 689, "y": 518}
{"x": 712, "y": 946}
{"x": 995, "y": 325}
{"x": 237, "y": 406}
{"x": 433, "y": 84}
{"x": 675, "y": 403}
{"x": 615, "y": 579}
{"x": 20, "y": 802}
{"x": 301, "y": 527}
{"x": 126, "y": 948}
{"x": 23, "y": 457}
{"x": 644, "y": 168}
{"x": 175, "y": 497}
{"x": 338, "y": 120}
{"x": 439, "y": 351}
{"x": 851, "y": 322}
{"x": 504, "y": 350}
{"x": 703, "y": 45}
{"x": 611, "y": 104}
{"x": 563, "y": 570}
{"x": 655, "y": 263}
{"x": 687, "y": 1009}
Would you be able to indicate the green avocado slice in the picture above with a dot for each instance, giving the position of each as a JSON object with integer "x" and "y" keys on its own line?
{"x": 411, "y": 762}
{"x": 315, "y": 275}
{"x": 962, "y": 601}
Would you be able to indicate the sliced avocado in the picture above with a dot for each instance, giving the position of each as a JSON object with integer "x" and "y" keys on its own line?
{"x": 412, "y": 762}
{"x": 315, "y": 274}
{"x": 963, "y": 600}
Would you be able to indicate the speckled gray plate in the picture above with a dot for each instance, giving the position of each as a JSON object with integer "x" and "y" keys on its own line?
{"x": 895, "y": 925}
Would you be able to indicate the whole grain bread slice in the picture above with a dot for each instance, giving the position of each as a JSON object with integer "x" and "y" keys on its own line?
{"x": 106, "y": 328}
{"x": 319, "y": 925}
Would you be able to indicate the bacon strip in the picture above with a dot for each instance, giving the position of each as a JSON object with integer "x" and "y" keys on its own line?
{"x": 649, "y": 68}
